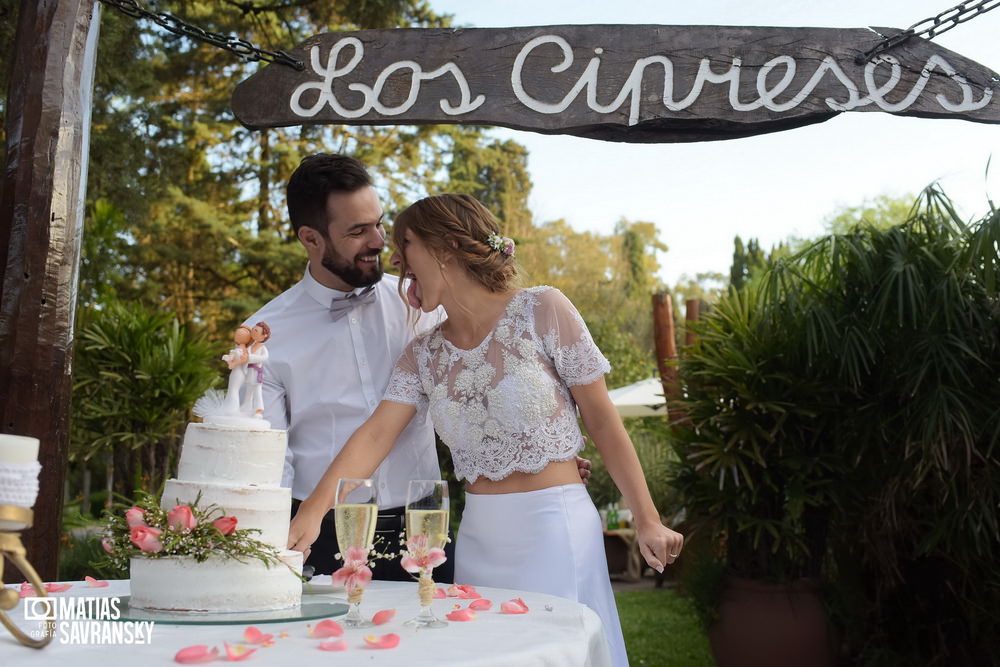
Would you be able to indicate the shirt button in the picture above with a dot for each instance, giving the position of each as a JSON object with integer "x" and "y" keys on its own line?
{"x": 354, "y": 320}
{"x": 364, "y": 362}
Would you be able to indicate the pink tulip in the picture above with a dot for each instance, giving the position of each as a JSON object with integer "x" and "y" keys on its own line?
{"x": 181, "y": 519}
{"x": 385, "y": 641}
{"x": 226, "y": 525}
{"x": 135, "y": 517}
{"x": 327, "y": 628}
{"x": 195, "y": 654}
{"x": 147, "y": 539}
{"x": 336, "y": 645}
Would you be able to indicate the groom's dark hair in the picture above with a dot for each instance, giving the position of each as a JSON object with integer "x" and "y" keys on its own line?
{"x": 316, "y": 177}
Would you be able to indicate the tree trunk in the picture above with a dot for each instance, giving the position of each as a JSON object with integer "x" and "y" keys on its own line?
{"x": 41, "y": 222}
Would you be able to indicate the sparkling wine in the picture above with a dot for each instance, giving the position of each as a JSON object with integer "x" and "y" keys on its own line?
{"x": 432, "y": 523}
{"x": 355, "y": 525}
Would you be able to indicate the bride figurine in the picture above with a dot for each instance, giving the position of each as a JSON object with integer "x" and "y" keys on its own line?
{"x": 237, "y": 362}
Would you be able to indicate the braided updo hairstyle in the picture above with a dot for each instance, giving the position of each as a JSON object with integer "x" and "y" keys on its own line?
{"x": 458, "y": 225}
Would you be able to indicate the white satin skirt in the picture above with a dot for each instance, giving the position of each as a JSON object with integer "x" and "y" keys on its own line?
{"x": 546, "y": 541}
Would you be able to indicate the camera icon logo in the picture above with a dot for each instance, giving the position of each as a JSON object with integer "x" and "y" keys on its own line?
{"x": 39, "y": 609}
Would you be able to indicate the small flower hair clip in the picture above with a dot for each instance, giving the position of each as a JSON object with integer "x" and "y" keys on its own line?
{"x": 501, "y": 244}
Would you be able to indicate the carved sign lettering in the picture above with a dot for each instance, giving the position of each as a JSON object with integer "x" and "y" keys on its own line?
{"x": 617, "y": 83}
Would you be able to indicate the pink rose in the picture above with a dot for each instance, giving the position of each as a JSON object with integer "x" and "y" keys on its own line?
{"x": 226, "y": 525}
{"x": 181, "y": 520}
{"x": 147, "y": 539}
{"x": 106, "y": 543}
{"x": 135, "y": 517}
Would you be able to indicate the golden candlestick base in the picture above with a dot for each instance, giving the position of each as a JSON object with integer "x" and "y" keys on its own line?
{"x": 12, "y": 548}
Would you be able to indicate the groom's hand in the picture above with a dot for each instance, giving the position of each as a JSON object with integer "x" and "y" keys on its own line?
{"x": 583, "y": 467}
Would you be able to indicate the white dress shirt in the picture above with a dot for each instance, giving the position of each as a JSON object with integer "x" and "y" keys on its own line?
{"x": 324, "y": 378}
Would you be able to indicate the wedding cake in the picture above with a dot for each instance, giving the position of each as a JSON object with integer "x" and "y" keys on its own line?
{"x": 237, "y": 468}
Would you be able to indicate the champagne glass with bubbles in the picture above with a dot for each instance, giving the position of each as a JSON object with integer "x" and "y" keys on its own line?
{"x": 426, "y": 535}
{"x": 355, "y": 515}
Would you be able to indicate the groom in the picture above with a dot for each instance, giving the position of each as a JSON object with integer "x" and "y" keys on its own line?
{"x": 336, "y": 336}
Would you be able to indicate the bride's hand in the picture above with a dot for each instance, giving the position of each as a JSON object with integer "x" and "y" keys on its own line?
{"x": 659, "y": 545}
{"x": 304, "y": 530}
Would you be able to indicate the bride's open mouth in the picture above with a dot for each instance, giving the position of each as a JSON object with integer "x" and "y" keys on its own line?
{"x": 413, "y": 294}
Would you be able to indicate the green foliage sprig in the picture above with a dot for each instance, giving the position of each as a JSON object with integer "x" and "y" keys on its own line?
{"x": 201, "y": 542}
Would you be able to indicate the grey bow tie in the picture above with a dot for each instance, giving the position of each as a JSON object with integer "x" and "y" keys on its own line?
{"x": 341, "y": 305}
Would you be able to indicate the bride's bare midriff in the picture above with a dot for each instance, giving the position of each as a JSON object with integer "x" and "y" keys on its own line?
{"x": 556, "y": 473}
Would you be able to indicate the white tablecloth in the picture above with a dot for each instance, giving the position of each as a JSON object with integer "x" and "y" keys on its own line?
{"x": 555, "y": 632}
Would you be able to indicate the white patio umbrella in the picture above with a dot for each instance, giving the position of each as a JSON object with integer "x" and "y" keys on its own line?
{"x": 640, "y": 399}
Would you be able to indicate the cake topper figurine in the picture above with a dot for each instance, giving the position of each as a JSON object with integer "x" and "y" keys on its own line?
{"x": 244, "y": 397}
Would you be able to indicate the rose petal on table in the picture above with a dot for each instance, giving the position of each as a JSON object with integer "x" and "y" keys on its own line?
{"x": 336, "y": 645}
{"x": 390, "y": 640}
{"x": 95, "y": 583}
{"x": 383, "y": 616}
{"x": 439, "y": 593}
{"x": 57, "y": 588}
{"x": 27, "y": 590}
{"x": 283, "y": 635}
{"x": 238, "y": 652}
{"x": 253, "y": 635}
{"x": 192, "y": 655}
{"x": 463, "y": 592}
{"x": 482, "y": 604}
{"x": 515, "y": 606}
{"x": 327, "y": 628}
{"x": 461, "y": 615}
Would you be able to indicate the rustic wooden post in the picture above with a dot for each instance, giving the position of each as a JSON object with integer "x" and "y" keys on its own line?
{"x": 666, "y": 350}
{"x": 692, "y": 313}
{"x": 41, "y": 221}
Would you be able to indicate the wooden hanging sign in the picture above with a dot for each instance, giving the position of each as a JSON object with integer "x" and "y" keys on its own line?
{"x": 614, "y": 82}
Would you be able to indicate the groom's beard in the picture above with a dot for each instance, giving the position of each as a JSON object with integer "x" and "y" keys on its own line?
{"x": 352, "y": 273}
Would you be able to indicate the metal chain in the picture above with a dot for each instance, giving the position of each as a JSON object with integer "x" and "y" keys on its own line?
{"x": 242, "y": 48}
{"x": 949, "y": 18}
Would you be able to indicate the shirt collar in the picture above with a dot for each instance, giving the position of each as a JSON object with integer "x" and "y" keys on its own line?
{"x": 320, "y": 293}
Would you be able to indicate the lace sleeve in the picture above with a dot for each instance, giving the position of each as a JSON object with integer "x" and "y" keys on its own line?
{"x": 567, "y": 341}
{"x": 404, "y": 383}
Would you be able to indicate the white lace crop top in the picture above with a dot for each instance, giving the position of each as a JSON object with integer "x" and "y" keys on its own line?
{"x": 505, "y": 405}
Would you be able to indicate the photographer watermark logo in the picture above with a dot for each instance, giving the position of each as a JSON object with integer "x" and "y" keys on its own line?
{"x": 84, "y": 620}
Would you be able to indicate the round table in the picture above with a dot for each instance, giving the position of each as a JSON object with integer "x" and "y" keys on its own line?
{"x": 554, "y": 632}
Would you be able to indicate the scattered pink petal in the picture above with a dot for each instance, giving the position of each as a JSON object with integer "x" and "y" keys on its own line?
{"x": 385, "y": 641}
{"x": 283, "y": 635}
{"x": 515, "y": 606}
{"x": 252, "y": 635}
{"x": 238, "y": 652}
{"x": 383, "y": 616}
{"x": 195, "y": 654}
{"x": 327, "y": 628}
{"x": 95, "y": 583}
{"x": 336, "y": 645}
{"x": 461, "y": 615}
{"x": 57, "y": 588}
{"x": 439, "y": 593}
{"x": 482, "y": 604}
{"x": 463, "y": 592}
{"x": 27, "y": 590}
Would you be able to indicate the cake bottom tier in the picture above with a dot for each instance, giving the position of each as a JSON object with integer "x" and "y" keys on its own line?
{"x": 181, "y": 584}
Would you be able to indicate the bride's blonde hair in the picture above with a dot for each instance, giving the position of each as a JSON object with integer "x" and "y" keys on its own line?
{"x": 458, "y": 226}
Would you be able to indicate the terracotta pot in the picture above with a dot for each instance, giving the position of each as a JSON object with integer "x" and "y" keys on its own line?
{"x": 771, "y": 625}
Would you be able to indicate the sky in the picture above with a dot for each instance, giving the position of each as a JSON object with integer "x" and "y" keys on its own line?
{"x": 771, "y": 187}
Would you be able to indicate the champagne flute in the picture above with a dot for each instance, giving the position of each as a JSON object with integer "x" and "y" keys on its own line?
{"x": 426, "y": 535}
{"x": 355, "y": 515}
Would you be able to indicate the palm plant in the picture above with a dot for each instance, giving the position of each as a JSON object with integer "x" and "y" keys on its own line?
{"x": 844, "y": 423}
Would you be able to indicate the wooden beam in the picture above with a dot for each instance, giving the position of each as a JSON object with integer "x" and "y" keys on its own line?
{"x": 635, "y": 83}
{"x": 41, "y": 222}
{"x": 666, "y": 352}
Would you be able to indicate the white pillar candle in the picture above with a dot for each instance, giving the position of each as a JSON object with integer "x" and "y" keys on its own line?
{"x": 18, "y": 475}
{"x": 18, "y": 449}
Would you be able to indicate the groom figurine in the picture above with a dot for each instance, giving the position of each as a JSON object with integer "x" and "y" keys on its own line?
{"x": 337, "y": 335}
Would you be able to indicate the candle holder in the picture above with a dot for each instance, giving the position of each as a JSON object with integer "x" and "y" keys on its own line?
{"x": 12, "y": 549}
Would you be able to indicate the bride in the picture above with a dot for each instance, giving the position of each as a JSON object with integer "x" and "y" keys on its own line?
{"x": 502, "y": 379}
